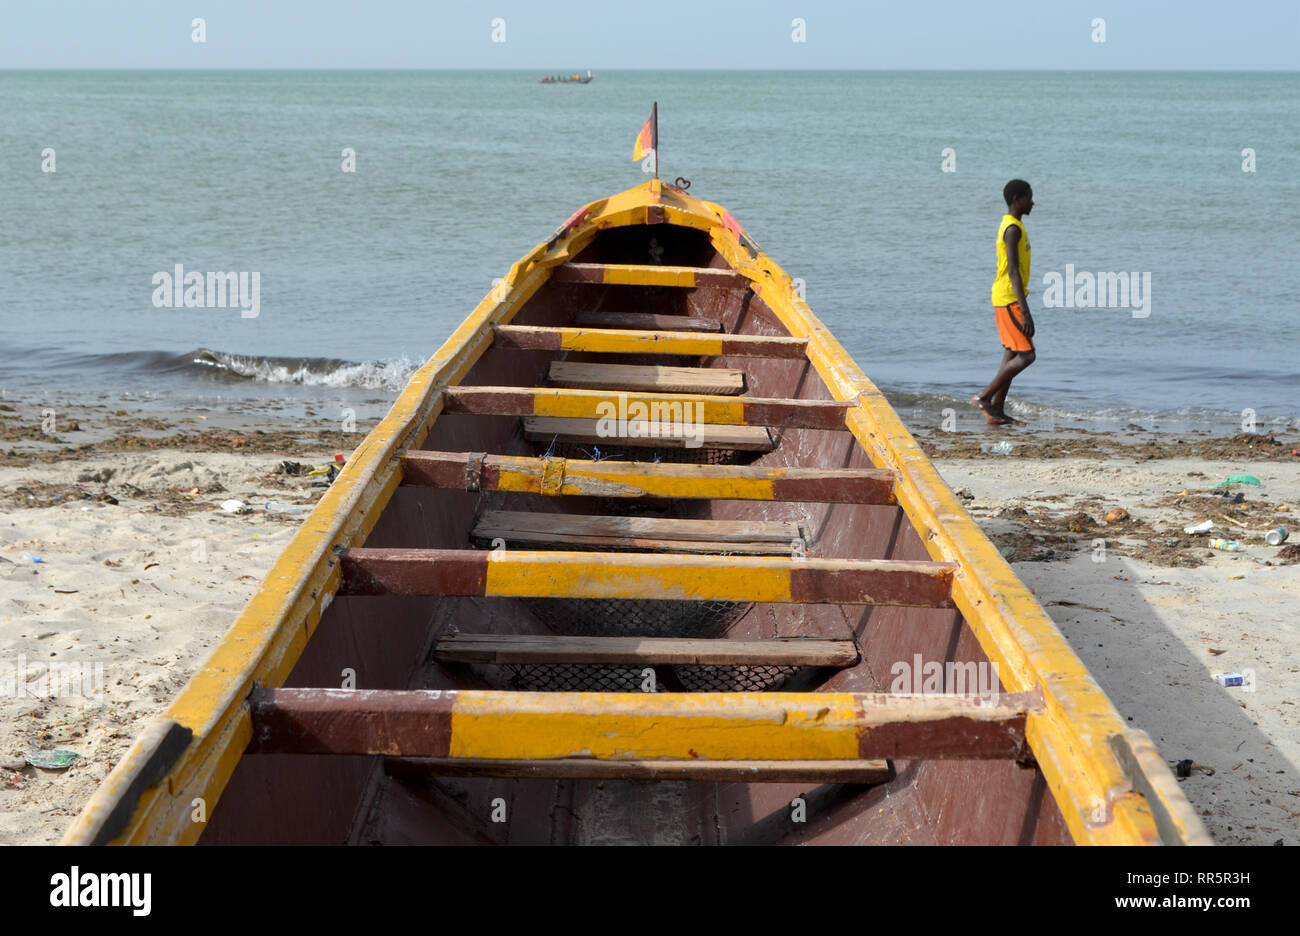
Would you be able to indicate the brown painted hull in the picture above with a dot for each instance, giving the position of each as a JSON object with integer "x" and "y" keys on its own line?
{"x": 387, "y": 640}
{"x": 406, "y": 565}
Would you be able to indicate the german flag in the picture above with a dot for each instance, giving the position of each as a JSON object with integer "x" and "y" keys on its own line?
{"x": 648, "y": 139}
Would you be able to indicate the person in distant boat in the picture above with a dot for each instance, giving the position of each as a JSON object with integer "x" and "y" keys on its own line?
{"x": 1010, "y": 308}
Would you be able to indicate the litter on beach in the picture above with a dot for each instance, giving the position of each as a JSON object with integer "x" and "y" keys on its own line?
{"x": 1239, "y": 479}
{"x": 52, "y": 760}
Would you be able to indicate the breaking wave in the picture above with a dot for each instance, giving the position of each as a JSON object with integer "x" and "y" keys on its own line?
{"x": 227, "y": 367}
{"x": 308, "y": 372}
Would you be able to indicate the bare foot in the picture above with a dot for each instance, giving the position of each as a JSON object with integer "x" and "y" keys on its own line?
{"x": 980, "y": 403}
{"x": 994, "y": 419}
{"x": 1010, "y": 420}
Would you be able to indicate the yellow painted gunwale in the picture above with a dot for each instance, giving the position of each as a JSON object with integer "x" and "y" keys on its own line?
{"x": 1070, "y": 738}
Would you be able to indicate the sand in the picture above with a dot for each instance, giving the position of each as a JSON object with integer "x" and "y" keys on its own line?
{"x": 1148, "y": 629}
{"x": 143, "y": 572}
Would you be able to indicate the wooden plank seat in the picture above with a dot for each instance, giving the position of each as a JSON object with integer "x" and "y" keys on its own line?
{"x": 645, "y": 321}
{"x": 669, "y": 651}
{"x": 716, "y": 381}
{"x": 633, "y": 341}
{"x": 517, "y": 573}
{"x": 637, "y": 274}
{"x": 586, "y": 768}
{"x": 478, "y": 471}
{"x": 760, "y": 537}
{"x": 668, "y": 409}
{"x": 642, "y": 433}
{"x": 622, "y": 727}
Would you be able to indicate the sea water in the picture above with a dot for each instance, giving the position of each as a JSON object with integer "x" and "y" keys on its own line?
{"x": 881, "y": 191}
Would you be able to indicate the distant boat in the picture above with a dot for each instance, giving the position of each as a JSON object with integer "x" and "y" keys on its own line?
{"x": 575, "y": 78}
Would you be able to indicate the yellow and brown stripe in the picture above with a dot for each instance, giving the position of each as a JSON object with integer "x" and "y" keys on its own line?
{"x": 545, "y": 574}
{"x": 774, "y": 726}
{"x": 665, "y": 408}
{"x": 630, "y": 341}
{"x": 582, "y": 477}
{"x": 633, "y": 274}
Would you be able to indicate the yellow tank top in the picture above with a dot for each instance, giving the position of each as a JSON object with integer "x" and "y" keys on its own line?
{"x": 1003, "y": 294}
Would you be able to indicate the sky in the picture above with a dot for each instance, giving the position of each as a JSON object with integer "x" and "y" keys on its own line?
{"x": 565, "y": 35}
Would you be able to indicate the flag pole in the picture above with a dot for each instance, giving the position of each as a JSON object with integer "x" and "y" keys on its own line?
{"x": 655, "y": 111}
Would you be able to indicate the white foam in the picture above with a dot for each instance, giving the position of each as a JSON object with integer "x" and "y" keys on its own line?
{"x": 370, "y": 375}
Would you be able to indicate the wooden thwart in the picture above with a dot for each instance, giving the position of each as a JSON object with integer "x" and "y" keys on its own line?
{"x": 626, "y": 727}
{"x": 646, "y": 321}
{"x": 528, "y": 648}
{"x": 712, "y": 547}
{"x": 560, "y": 476}
{"x": 631, "y": 341}
{"x": 633, "y": 274}
{"x": 718, "y": 381}
{"x": 585, "y": 768}
{"x": 670, "y": 413}
{"x": 646, "y": 576}
{"x": 644, "y": 434}
{"x": 734, "y": 536}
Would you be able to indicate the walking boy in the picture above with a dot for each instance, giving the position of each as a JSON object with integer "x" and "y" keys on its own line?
{"x": 1010, "y": 308}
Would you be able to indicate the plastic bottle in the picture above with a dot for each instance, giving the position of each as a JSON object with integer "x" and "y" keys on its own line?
{"x": 999, "y": 448}
{"x": 1225, "y": 545}
{"x": 25, "y": 556}
{"x": 282, "y": 507}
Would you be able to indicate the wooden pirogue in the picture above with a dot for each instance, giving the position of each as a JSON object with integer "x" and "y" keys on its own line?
{"x": 559, "y": 611}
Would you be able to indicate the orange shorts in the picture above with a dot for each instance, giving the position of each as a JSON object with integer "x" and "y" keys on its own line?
{"x": 1013, "y": 339}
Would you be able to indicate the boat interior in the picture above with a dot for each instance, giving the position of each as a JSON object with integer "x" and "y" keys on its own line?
{"x": 833, "y": 505}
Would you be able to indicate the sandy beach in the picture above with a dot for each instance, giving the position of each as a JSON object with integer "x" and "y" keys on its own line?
{"x": 1152, "y": 611}
{"x": 141, "y": 571}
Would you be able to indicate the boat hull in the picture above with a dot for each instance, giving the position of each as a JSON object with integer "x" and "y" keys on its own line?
{"x": 1076, "y": 773}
